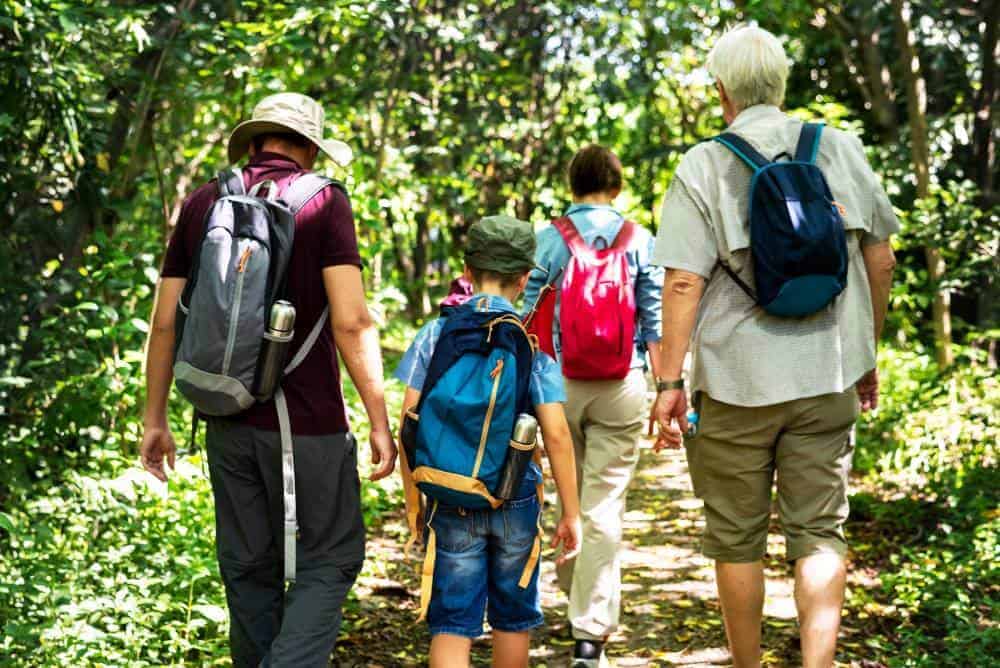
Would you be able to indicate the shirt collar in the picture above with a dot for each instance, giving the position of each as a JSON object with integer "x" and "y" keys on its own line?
{"x": 586, "y": 206}
{"x": 482, "y": 301}
{"x": 755, "y": 114}
{"x": 272, "y": 159}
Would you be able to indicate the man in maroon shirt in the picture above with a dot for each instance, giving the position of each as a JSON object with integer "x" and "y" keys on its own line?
{"x": 268, "y": 625}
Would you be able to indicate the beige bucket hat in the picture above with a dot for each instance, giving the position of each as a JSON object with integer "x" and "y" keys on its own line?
{"x": 285, "y": 112}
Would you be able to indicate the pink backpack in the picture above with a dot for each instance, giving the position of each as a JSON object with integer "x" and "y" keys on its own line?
{"x": 597, "y": 306}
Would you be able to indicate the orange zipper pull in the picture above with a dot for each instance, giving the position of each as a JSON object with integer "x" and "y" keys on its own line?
{"x": 243, "y": 260}
{"x": 496, "y": 371}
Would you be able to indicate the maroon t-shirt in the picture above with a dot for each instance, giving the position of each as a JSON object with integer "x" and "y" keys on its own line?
{"x": 324, "y": 237}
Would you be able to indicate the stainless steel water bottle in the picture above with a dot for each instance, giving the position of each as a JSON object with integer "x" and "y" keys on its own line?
{"x": 519, "y": 454}
{"x": 274, "y": 350}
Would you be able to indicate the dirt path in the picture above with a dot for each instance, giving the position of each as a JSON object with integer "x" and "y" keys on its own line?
{"x": 670, "y": 614}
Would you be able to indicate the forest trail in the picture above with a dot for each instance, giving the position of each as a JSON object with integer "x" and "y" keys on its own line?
{"x": 670, "y": 616}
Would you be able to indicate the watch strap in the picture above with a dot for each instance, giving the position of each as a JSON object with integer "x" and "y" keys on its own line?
{"x": 667, "y": 385}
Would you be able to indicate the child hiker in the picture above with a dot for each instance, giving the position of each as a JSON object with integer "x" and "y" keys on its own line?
{"x": 475, "y": 386}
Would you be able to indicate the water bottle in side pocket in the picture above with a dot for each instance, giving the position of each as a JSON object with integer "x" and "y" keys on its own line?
{"x": 519, "y": 454}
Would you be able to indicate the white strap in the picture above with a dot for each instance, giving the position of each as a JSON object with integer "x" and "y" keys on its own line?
{"x": 309, "y": 342}
{"x": 288, "y": 483}
{"x": 291, "y": 522}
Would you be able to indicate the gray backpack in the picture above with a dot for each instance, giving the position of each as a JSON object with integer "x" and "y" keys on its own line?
{"x": 239, "y": 271}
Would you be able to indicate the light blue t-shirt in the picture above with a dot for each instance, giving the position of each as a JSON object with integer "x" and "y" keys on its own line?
{"x": 546, "y": 384}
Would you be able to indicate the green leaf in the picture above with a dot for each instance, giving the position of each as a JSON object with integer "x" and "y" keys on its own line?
{"x": 212, "y": 613}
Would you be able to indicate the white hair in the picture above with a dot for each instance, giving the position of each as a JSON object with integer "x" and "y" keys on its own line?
{"x": 751, "y": 65}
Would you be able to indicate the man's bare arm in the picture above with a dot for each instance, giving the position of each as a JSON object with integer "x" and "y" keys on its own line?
{"x": 880, "y": 262}
{"x": 157, "y": 442}
{"x": 357, "y": 341}
{"x": 682, "y": 292}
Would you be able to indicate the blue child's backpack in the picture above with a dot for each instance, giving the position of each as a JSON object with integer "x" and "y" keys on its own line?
{"x": 457, "y": 437}
{"x": 477, "y": 383}
{"x": 797, "y": 235}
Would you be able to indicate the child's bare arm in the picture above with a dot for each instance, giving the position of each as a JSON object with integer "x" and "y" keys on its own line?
{"x": 559, "y": 447}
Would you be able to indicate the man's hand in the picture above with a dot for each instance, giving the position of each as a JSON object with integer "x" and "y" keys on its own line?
{"x": 568, "y": 533}
{"x": 383, "y": 454}
{"x": 669, "y": 414}
{"x": 157, "y": 443}
{"x": 867, "y": 389}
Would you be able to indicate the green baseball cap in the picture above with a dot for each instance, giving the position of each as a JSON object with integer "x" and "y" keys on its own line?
{"x": 502, "y": 244}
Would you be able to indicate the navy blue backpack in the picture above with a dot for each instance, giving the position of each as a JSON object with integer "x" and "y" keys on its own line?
{"x": 797, "y": 237}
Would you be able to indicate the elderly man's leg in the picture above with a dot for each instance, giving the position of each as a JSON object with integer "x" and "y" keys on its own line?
{"x": 732, "y": 469}
{"x": 813, "y": 460}
{"x": 741, "y": 593}
{"x": 819, "y": 596}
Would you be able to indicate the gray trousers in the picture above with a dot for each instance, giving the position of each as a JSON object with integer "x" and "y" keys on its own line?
{"x": 270, "y": 626}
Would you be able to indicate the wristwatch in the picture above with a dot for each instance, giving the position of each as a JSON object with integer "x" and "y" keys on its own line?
{"x": 667, "y": 385}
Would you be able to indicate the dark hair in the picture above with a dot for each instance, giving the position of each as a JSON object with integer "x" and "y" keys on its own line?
{"x": 293, "y": 138}
{"x": 594, "y": 169}
{"x": 505, "y": 280}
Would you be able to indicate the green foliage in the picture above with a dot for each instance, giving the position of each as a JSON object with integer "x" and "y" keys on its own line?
{"x": 929, "y": 455}
{"x": 119, "y": 570}
{"x": 112, "y": 572}
{"x": 80, "y": 393}
{"x": 113, "y": 112}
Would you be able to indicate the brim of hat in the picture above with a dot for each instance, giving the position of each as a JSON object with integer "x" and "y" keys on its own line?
{"x": 239, "y": 141}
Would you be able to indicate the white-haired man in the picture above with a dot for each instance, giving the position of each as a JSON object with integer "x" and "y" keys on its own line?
{"x": 776, "y": 394}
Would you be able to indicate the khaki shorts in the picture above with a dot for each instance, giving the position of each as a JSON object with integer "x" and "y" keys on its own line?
{"x": 733, "y": 461}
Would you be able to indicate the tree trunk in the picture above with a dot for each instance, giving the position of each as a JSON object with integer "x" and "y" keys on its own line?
{"x": 916, "y": 104}
{"x": 984, "y": 159}
{"x": 871, "y": 74}
{"x": 983, "y": 133}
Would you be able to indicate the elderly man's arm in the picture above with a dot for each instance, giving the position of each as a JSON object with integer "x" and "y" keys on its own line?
{"x": 682, "y": 291}
{"x": 879, "y": 265}
{"x": 880, "y": 262}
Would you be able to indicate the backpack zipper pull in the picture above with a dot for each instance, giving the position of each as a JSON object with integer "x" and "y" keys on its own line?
{"x": 243, "y": 260}
{"x": 496, "y": 371}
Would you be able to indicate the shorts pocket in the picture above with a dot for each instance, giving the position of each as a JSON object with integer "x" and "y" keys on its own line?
{"x": 453, "y": 531}
{"x": 520, "y": 521}
{"x": 691, "y": 454}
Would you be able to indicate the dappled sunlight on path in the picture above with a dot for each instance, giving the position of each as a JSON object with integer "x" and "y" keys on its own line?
{"x": 670, "y": 614}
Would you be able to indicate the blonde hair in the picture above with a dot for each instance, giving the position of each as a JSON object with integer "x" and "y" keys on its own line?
{"x": 751, "y": 65}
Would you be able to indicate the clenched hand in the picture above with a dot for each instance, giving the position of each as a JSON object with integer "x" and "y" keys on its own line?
{"x": 157, "y": 444}
{"x": 383, "y": 454}
{"x": 669, "y": 415}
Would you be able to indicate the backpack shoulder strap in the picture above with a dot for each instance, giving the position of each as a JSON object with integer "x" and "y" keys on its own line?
{"x": 304, "y": 189}
{"x": 808, "y": 145}
{"x": 570, "y": 235}
{"x": 743, "y": 150}
{"x": 625, "y": 235}
{"x": 739, "y": 281}
{"x": 231, "y": 182}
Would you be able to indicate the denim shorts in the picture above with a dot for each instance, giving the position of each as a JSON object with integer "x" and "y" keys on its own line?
{"x": 479, "y": 560}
